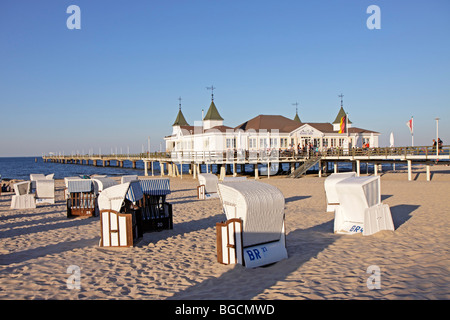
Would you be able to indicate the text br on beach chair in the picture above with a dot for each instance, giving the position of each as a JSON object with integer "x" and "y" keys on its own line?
{"x": 156, "y": 212}
{"x": 120, "y": 215}
{"x": 254, "y": 233}
{"x": 81, "y": 199}
{"x": 360, "y": 208}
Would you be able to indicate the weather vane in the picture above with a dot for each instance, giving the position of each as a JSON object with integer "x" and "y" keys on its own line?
{"x": 212, "y": 92}
{"x": 296, "y": 107}
{"x": 341, "y": 96}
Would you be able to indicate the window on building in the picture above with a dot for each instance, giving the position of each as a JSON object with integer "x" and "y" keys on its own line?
{"x": 262, "y": 143}
{"x": 231, "y": 143}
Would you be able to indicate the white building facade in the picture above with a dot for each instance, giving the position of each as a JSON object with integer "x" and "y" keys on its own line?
{"x": 265, "y": 132}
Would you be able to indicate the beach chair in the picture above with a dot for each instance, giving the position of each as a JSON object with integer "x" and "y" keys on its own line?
{"x": 23, "y": 198}
{"x": 156, "y": 212}
{"x": 120, "y": 215}
{"x": 254, "y": 233}
{"x": 330, "y": 188}
{"x": 360, "y": 209}
{"x": 33, "y": 178}
{"x": 81, "y": 198}
{"x": 207, "y": 188}
{"x": 45, "y": 191}
{"x": 128, "y": 178}
{"x": 101, "y": 183}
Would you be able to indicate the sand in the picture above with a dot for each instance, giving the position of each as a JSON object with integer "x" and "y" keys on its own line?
{"x": 37, "y": 246}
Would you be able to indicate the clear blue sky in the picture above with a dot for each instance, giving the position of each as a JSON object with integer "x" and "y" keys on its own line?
{"x": 117, "y": 80}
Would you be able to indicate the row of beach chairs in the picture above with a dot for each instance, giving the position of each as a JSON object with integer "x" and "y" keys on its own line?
{"x": 39, "y": 189}
{"x": 253, "y": 234}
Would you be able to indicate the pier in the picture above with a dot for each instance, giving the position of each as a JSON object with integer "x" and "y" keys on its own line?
{"x": 299, "y": 162}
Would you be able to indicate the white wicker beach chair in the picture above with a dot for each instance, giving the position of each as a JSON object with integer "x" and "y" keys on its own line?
{"x": 120, "y": 215}
{"x": 45, "y": 191}
{"x": 33, "y": 178}
{"x": 23, "y": 199}
{"x": 360, "y": 208}
{"x": 254, "y": 233}
{"x": 207, "y": 187}
{"x": 330, "y": 188}
{"x": 101, "y": 183}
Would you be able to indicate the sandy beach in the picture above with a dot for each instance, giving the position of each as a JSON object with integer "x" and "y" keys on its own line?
{"x": 38, "y": 245}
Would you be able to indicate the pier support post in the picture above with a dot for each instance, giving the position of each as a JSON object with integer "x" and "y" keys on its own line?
{"x": 320, "y": 169}
{"x": 409, "y": 170}
{"x": 256, "y": 172}
{"x": 133, "y": 164}
{"x": 428, "y": 173}
{"x": 234, "y": 169}
{"x": 375, "y": 169}
{"x": 358, "y": 168}
{"x": 145, "y": 168}
{"x": 335, "y": 167}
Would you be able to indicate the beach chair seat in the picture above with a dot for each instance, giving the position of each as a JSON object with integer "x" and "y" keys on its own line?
{"x": 207, "y": 186}
{"x": 45, "y": 191}
{"x": 360, "y": 209}
{"x": 120, "y": 215}
{"x": 81, "y": 199}
{"x": 156, "y": 211}
{"x": 23, "y": 198}
{"x": 330, "y": 188}
{"x": 254, "y": 233}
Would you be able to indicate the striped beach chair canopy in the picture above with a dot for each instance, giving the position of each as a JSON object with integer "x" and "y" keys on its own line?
{"x": 134, "y": 192}
{"x": 79, "y": 185}
{"x": 155, "y": 186}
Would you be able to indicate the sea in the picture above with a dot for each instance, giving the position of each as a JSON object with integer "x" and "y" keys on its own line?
{"x": 20, "y": 168}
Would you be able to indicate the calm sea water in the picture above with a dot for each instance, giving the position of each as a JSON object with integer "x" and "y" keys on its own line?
{"x": 22, "y": 167}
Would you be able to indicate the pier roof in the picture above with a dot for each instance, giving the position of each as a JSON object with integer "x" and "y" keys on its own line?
{"x": 269, "y": 122}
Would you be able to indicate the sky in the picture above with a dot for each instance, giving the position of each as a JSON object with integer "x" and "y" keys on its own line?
{"x": 116, "y": 81}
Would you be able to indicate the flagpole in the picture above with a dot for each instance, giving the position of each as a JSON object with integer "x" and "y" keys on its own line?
{"x": 412, "y": 130}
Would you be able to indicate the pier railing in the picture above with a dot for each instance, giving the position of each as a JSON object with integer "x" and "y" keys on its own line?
{"x": 272, "y": 155}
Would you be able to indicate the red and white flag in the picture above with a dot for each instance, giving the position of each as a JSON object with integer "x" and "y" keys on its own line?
{"x": 410, "y": 125}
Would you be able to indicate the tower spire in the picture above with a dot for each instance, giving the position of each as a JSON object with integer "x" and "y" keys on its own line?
{"x": 296, "y": 118}
{"x": 179, "y": 103}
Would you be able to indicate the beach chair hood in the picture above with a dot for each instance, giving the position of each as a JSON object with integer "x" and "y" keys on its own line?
{"x": 113, "y": 197}
{"x": 330, "y": 188}
{"x": 259, "y": 205}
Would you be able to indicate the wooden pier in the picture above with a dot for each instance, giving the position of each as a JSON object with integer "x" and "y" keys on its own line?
{"x": 299, "y": 162}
